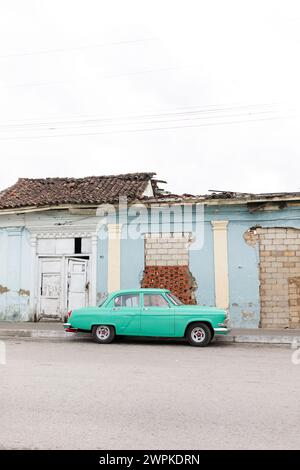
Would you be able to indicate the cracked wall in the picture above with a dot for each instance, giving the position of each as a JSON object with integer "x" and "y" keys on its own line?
{"x": 15, "y": 269}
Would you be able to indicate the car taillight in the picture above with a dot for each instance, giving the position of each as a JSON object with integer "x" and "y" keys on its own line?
{"x": 69, "y": 313}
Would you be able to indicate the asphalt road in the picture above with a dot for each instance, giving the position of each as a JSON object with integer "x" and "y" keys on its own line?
{"x": 155, "y": 395}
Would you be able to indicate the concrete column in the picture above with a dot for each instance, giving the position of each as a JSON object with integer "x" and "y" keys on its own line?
{"x": 114, "y": 257}
{"x": 93, "y": 291}
{"x": 221, "y": 263}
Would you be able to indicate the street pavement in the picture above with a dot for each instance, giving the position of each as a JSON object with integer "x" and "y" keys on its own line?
{"x": 54, "y": 330}
{"x": 138, "y": 394}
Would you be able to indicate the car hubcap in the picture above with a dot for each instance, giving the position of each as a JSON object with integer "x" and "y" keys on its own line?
{"x": 198, "y": 334}
{"x": 103, "y": 332}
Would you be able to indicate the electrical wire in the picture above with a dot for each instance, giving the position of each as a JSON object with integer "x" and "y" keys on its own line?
{"x": 157, "y": 121}
{"x": 201, "y": 108}
{"x": 66, "y": 49}
{"x": 145, "y": 117}
{"x": 144, "y": 129}
{"x": 104, "y": 77}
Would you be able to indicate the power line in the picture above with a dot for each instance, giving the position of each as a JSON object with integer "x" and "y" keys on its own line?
{"x": 145, "y": 129}
{"x": 248, "y": 109}
{"x": 104, "y": 77}
{"x": 197, "y": 108}
{"x": 66, "y": 49}
{"x": 156, "y": 121}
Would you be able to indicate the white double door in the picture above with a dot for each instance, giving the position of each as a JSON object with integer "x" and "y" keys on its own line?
{"x": 64, "y": 285}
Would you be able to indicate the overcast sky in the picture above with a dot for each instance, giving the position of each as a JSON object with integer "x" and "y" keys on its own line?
{"x": 205, "y": 93}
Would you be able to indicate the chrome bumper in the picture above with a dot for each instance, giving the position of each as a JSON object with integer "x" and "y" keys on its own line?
{"x": 220, "y": 331}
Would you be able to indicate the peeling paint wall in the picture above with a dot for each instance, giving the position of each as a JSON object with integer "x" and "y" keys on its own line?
{"x": 201, "y": 263}
{"x": 132, "y": 262}
{"x": 244, "y": 261}
{"x": 14, "y": 274}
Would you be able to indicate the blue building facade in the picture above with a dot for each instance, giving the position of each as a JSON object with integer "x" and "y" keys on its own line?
{"x": 246, "y": 257}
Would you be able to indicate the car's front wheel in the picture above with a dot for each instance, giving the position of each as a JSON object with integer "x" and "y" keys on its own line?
{"x": 198, "y": 334}
{"x": 103, "y": 333}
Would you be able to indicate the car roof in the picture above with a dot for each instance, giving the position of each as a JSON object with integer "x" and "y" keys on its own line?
{"x": 139, "y": 291}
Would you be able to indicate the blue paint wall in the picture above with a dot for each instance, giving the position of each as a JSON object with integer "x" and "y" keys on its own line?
{"x": 202, "y": 268}
{"x": 132, "y": 262}
{"x": 243, "y": 270}
{"x": 14, "y": 274}
{"x": 243, "y": 262}
{"x": 243, "y": 259}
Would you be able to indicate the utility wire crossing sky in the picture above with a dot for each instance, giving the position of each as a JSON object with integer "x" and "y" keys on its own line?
{"x": 204, "y": 93}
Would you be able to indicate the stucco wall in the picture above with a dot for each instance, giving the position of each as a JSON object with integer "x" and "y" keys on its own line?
{"x": 243, "y": 257}
{"x": 201, "y": 263}
{"x": 132, "y": 262}
{"x": 14, "y": 274}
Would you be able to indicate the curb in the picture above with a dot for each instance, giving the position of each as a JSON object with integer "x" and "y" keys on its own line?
{"x": 259, "y": 339}
{"x": 54, "y": 334}
{"x": 35, "y": 334}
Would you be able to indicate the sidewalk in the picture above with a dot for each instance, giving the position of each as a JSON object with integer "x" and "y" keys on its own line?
{"x": 54, "y": 330}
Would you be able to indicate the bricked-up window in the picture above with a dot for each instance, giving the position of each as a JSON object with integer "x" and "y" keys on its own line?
{"x": 178, "y": 279}
{"x": 155, "y": 300}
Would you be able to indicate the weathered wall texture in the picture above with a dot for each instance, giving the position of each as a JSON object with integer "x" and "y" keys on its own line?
{"x": 15, "y": 271}
{"x": 167, "y": 265}
{"x": 279, "y": 277}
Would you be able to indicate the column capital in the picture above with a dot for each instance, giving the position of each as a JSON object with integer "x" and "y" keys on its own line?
{"x": 219, "y": 224}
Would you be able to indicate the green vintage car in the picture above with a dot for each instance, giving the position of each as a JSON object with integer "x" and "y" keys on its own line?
{"x": 149, "y": 312}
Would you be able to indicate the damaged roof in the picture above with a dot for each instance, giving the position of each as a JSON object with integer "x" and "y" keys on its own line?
{"x": 28, "y": 192}
{"x": 227, "y": 197}
{"x": 96, "y": 190}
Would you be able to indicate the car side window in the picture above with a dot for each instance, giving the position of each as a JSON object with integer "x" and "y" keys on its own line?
{"x": 155, "y": 300}
{"x": 127, "y": 300}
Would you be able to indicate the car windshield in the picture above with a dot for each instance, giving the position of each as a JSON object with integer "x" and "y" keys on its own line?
{"x": 174, "y": 299}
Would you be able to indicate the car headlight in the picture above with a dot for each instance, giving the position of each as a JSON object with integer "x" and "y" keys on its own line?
{"x": 225, "y": 323}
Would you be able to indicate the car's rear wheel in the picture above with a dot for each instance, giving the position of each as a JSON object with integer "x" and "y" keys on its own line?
{"x": 103, "y": 333}
{"x": 198, "y": 334}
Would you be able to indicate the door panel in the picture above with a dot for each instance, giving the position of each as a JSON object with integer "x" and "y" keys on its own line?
{"x": 77, "y": 283}
{"x": 50, "y": 288}
{"x": 157, "y": 320}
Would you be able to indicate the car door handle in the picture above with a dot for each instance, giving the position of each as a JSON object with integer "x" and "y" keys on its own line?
{"x": 146, "y": 308}
{"x": 116, "y": 308}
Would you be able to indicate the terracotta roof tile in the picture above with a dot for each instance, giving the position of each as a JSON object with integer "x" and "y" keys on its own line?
{"x": 89, "y": 190}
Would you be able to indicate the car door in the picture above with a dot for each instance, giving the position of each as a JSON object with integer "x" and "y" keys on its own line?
{"x": 157, "y": 316}
{"x": 126, "y": 312}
